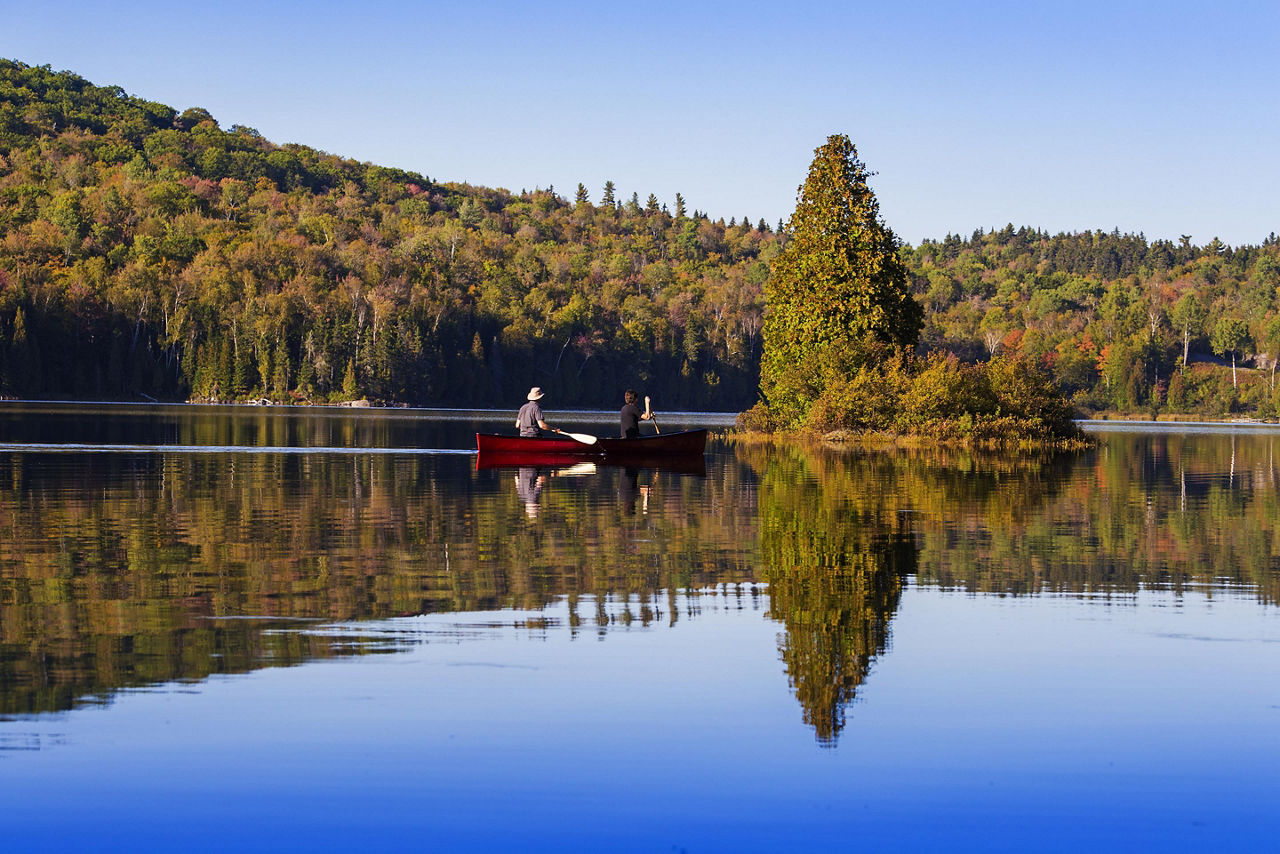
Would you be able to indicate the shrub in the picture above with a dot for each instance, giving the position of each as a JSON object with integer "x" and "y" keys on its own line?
{"x": 1024, "y": 389}
{"x": 942, "y": 389}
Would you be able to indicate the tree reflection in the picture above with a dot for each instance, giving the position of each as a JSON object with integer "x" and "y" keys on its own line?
{"x": 119, "y": 570}
{"x": 835, "y": 545}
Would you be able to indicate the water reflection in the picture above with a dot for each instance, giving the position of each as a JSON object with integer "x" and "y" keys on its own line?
{"x": 529, "y": 483}
{"x": 836, "y": 545}
{"x": 122, "y": 571}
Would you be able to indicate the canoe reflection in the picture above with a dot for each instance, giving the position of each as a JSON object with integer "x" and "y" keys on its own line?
{"x": 693, "y": 464}
{"x": 533, "y": 470}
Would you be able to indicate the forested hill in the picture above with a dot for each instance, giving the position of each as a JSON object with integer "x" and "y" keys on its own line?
{"x": 147, "y": 252}
{"x": 1114, "y": 314}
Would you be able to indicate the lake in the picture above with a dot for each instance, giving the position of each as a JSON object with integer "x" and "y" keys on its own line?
{"x": 271, "y": 628}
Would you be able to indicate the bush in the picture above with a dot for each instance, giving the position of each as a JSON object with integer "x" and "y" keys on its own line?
{"x": 1023, "y": 389}
{"x": 863, "y": 385}
{"x": 943, "y": 389}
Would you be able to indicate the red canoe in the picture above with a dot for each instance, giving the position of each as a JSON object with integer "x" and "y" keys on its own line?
{"x": 685, "y": 442}
{"x": 492, "y": 442}
{"x": 659, "y": 444}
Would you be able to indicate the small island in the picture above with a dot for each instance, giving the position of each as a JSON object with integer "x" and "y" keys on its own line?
{"x": 841, "y": 329}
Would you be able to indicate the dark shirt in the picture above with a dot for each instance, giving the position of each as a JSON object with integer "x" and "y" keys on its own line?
{"x": 630, "y": 417}
{"x": 528, "y": 418}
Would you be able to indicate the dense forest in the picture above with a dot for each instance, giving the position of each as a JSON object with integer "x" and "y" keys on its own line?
{"x": 1125, "y": 324}
{"x": 150, "y": 253}
{"x": 146, "y": 252}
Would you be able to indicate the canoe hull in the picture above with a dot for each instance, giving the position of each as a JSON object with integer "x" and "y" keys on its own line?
{"x": 494, "y": 443}
{"x": 684, "y": 443}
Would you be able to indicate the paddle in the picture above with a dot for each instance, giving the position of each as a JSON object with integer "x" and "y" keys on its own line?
{"x": 580, "y": 437}
{"x": 652, "y": 417}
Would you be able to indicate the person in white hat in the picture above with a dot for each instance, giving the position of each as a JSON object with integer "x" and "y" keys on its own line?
{"x": 529, "y": 420}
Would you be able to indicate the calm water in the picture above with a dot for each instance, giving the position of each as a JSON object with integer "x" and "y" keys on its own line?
{"x": 278, "y": 629}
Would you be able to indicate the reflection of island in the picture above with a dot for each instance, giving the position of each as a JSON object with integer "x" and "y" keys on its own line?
{"x": 835, "y": 550}
{"x": 837, "y": 621}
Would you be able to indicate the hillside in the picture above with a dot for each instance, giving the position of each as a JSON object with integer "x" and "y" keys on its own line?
{"x": 1114, "y": 314}
{"x": 148, "y": 252}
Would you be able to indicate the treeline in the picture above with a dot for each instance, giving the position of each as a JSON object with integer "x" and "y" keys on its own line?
{"x": 149, "y": 252}
{"x": 1124, "y": 323}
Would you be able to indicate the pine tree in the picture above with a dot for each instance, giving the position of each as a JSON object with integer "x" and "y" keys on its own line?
{"x": 349, "y": 386}
{"x": 839, "y": 279}
{"x": 607, "y": 199}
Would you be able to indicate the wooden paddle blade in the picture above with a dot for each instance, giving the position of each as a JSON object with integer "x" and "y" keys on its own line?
{"x": 581, "y": 437}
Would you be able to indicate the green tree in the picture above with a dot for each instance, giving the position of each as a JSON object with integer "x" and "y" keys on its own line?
{"x": 838, "y": 279}
{"x": 1270, "y": 338}
{"x": 1229, "y": 335}
{"x": 349, "y": 385}
{"x": 1188, "y": 314}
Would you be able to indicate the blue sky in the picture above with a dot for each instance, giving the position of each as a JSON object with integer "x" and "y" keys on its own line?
{"x": 1154, "y": 117}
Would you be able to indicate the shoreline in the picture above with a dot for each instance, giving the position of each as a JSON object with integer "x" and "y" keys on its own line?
{"x": 1101, "y": 418}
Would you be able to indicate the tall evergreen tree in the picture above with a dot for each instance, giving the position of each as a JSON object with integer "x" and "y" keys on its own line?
{"x": 838, "y": 279}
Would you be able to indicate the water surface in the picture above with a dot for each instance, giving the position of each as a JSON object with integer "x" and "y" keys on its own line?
{"x": 261, "y": 629}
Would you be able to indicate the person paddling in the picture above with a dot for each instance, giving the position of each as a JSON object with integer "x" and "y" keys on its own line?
{"x": 631, "y": 416}
{"x": 529, "y": 420}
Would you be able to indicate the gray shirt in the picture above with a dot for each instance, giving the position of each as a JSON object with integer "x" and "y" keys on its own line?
{"x": 527, "y": 420}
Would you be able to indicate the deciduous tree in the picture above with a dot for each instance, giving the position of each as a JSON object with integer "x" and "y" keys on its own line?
{"x": 1229, "y": 335}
